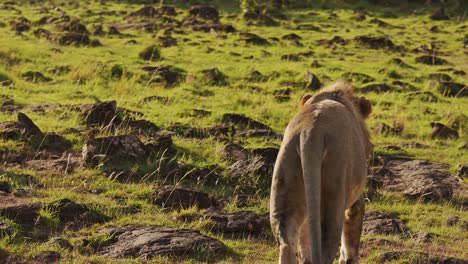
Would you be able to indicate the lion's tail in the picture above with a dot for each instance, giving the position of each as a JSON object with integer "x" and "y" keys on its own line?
{"x": 311, "y": 150}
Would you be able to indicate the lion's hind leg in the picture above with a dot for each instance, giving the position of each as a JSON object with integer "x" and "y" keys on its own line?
{"x": 287, "y": 209}
{"x": 349, "y": 253}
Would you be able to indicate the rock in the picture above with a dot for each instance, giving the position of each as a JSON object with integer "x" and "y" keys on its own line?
{"x": 376, "y": 42}
{"x": 256, "y": 166}
{"x": 459, "y": 72}
{"x": 28, "y": 125}
{"x": 47, "y": 257}
{"x": 114, "y": 149}
{"x": 5, "y": 187}
{"x": 401, "y": 63}
{"x": 253, "y": 39}
{"x": 42, "y": 33}
{"x": 442, "y": 131}
{"x": 313, "y": 81}
{"x": 291, "y": 36}
{"x": 146, "y": 242}
{"x": 463, "y": 170}
{"x": 100, "y": 114}
{"x": 416, "y": 258}
{"x": 71, "y": 215}
{"x": 448, "y": 88}
{"x": 99, "y": 31}
{"x": 431, "y": 60}
{"x": 74, "y": 26}
{"x": 142, "y": 126}
{"x": 176, "y": 198}
{"x": 167, "y": 41}
{"x": 150, "y": 53}
{"x": 442, "y": 77}
{"x": 357, "y": 77}
{"x": 114, "y": 31}
{"x": 61, "y": 242}
{"x": 10, "y": 130}
{"x": 233, "y": 152}
{"x": 21, "y": 25}
{"x": 453, "y": 220}
{"x": 167, "y": 74}
{"x": 333, "y": 41}
{"x": 386, "y": 130}
{"x": 377, "y": 88}
{"x": 243, "y": 121}
{"x": 439, "y": 14}
{"x": 76, "y": 39}
{"x": 381, "y": 223}
{"x": 213, "y": 77}
{"x": 35, "y": 77}
{"x": 63, "y": 165}
{"x": 238, "y": 223}
{"x": 415, "y": 179}
{"x": 204, "y": 12}
{"x": 268, "y": 154}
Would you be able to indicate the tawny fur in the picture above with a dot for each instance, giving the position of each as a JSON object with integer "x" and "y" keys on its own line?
{"x": 319, "y": 176}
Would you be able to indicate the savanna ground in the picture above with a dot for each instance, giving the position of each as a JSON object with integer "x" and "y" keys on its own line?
{"x": 326, "y": 45}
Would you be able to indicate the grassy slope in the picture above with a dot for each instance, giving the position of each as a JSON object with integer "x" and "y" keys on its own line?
{"x": 93, "y": 64}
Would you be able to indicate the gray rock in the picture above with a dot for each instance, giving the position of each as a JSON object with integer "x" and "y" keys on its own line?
{"x": 381, "y": 223}
{"x": 173, "y": 197}
{"x": 463, "y": 170}
{"x": 114, "y": 149}
{"x": 239, "y": 223}
{"x": 150, "y": 241}
{"x": 233, "y": 152}
{"x": 415, "y": 179}
{"x": 417, "y": 258}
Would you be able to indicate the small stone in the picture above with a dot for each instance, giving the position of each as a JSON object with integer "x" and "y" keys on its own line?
{"x": 463, "y": 170}
{"x": 440, "y": 130}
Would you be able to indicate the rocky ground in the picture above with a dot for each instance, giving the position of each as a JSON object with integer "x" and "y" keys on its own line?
{"x": 148, "y": 133}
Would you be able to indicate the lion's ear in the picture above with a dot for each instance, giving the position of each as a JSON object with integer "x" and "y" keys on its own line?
{"x": 305, "y": 98}
{"x": 365, "y": 107}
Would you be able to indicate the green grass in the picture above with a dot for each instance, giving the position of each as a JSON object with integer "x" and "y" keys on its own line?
{"x": 113, "y": 72}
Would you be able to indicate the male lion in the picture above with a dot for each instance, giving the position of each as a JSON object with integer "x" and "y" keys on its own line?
{"x": 319, "y": 176}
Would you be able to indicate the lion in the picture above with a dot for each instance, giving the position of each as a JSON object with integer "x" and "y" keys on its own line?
{"x": 319, "y": 177}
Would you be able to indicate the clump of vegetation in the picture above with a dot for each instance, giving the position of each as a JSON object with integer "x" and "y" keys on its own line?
{"x": 5, "y": 79}
{"x": 151, "y": 53}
